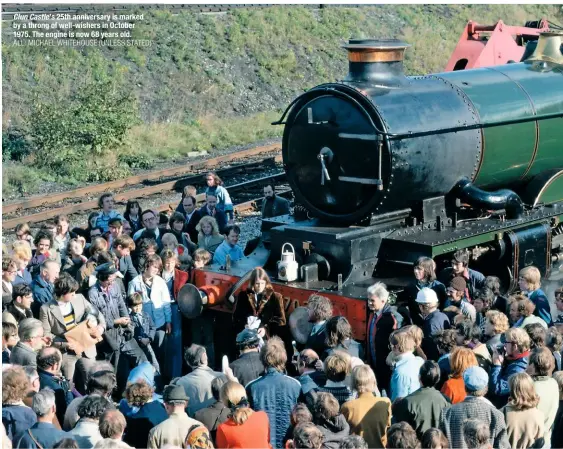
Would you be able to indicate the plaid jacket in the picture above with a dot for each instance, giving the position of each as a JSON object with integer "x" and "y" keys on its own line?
{"x": 453, "y": 418}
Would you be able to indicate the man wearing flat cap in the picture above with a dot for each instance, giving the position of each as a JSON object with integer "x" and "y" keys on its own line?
{"x": 174, "y": 430}
{"x": 107, "y": 296}
{"x": 456, "y": 297}
{"x": 248, "y": 366}
{"x": 474, "y": 406}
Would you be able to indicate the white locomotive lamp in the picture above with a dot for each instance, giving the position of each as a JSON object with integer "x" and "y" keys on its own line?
{"x": 287, "y": 266}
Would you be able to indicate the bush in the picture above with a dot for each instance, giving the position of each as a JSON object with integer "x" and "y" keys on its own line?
{"x": 89, "y": 124}
{"x": 15, "y": 146}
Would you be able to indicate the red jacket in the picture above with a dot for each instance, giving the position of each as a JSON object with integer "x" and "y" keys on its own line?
{"x": 180, "y": 279}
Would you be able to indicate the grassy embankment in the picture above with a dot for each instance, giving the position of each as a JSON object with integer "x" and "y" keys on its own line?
{"x": 213, "y": 81}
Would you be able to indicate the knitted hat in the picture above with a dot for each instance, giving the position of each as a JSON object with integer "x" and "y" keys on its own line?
{"x": 458, "y": 284}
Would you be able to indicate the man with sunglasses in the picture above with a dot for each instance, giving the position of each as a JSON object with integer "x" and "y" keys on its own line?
{"x": 513, "y": 361}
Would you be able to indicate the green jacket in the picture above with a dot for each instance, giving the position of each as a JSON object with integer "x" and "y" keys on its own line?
{"x": 421, "y": 409}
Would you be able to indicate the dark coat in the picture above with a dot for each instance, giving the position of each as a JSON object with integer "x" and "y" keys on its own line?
{"x": 43, "y": 293}
{"x": 280, "y": 206}
{"x": 557, "y": 432}
{"x": 12, "y": 309}
{"x": 146, "y": 329}
{"x": 384, "y": 326}
{"x": 433, "y": 323}
{"x": 334, "y": 431}
{"x": 219, "y": 216}
{"x": 475, "y": 280}
{"x": 317, "y": 341}
{"x": 270, "y": 310}
{"x": 61, "y": 387}
{"x": 247, "y": 367}
{"x": 17, "y": 419}
{"x": 421, "y": 409}
{"x": 408, "y": 296}
{"x": 46, "y": 434}
{"x": 276, "y": 394}
{"x": 212, "y": 416}
{"x": 127, "y": 269}
{"x": 140, "y": 424}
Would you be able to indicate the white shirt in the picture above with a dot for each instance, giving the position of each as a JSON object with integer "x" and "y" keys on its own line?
{"x": 66, "y": 307}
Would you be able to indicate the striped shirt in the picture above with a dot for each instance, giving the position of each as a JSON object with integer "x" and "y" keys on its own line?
{"x": 68, "y": 314}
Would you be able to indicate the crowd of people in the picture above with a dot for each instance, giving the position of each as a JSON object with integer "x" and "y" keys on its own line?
{"x": 95, "y": 352}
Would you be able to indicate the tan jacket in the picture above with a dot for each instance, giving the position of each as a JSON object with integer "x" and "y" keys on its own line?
{"x": 172, "y": 431}
{"x": 523, "y": 427}
{"x": 370, "y": 417}
{"x": 54, "y": 325}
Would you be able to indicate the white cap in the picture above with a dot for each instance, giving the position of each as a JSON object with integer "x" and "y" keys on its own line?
{"x": 427, "y": 296}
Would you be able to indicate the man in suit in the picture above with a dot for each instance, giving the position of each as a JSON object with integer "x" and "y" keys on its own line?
{"x": 197, "y": 384}
{"x": 381, "y": 324}
{"x": 210, "y": 208}
{"x": 320, "y": 310}
{"x": 273, "y": 205}
{"x": 122, "y": 247}
{"x": 150, "y": 228}
{"x": 31, "y": 334}
{"x": 43, "y": 433}
{"x": 191, "y": 214}
{"x": 64, "y": 313}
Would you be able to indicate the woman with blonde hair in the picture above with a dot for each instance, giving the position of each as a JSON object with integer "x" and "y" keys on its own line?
{"x": 524, "y": 422}
{"x": 530, "y": 283}
{"x": 209, "y": 237}
{"x": 260, "y": 301}
{"x": 21, "y": 253}
{"x": 368, "y": 416}
{"x": 23, "y": 232}
{"x": 460, "y": 360}
{"x": 245, "y": 428}
{"x": 496, "y": 324}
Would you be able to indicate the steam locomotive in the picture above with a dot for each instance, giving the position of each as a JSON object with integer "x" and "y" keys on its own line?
{"x": 386, "y": 168}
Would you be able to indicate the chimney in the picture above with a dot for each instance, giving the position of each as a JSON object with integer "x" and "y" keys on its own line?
{"x": 549, "y": 48}
{"x": 376, "y": 61}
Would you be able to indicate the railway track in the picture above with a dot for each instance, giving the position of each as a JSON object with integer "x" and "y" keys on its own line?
{"x": 33, "y": 210}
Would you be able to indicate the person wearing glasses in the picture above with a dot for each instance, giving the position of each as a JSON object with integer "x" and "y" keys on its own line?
{"x": 150, "y": 228}
{"x": 513, "y": 359}
{"x": 9, "y": 271}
